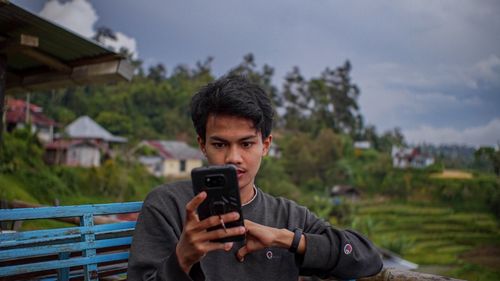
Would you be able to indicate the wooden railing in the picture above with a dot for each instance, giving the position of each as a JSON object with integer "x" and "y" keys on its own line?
{"x": 390, "y": 274}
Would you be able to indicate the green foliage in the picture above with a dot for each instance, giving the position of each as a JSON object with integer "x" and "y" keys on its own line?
{"x": 319, "y": 122}
{"x": 26, "y": 177}
{"x": 389, "y": 139}
{"x": 12, "y": 189}
{"x": 329, "y": 101}
{"x": 399, "y": 245}
{"x": 479, "y": 193}
{"x": 475, "y": 272}
{"x": 273, "y": 180}
{"x": 365, "y": 225}
{"x": 429, "y": 233}
{"x": 491, "y": 155}
{"x": 311, "y": 160}
{"x": 146, "y": 150}
{"x": 263, "y": 77}
{"x": 322, "y": 207}
{"x": 20, "y": 151}
{"x": 115, "y": 123}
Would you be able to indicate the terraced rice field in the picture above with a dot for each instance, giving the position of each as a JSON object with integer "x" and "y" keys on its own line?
{"x": 439, "y": 239}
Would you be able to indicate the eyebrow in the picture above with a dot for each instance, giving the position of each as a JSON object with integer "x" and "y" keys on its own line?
{"x": 246, "y": 138}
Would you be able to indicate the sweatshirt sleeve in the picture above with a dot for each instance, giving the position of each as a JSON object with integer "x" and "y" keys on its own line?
{"x": 152, "y": 253}
{"x": 331, "y": 252}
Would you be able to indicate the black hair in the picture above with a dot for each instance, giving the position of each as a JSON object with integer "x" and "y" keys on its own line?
{"x": 233, "y": 96}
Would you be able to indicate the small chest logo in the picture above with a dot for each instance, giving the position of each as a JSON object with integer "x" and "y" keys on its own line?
{"x": 269, "y": 255}
{"x": 347, "y": 249}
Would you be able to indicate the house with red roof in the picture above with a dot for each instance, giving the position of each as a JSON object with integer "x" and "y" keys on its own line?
{"x": 411, "y": 157}
{"x": 168, "y": 158}
{"x": 20, "y": 113}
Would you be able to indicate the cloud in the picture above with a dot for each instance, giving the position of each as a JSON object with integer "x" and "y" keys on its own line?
{"x": 80, "y": 16}
{"x": 122, "y": 40}
{"x": 77, "y": 15}
{"x": 398, "y": 94}
{"x": 487, "y": 71}
{"x": 488, "y": 134}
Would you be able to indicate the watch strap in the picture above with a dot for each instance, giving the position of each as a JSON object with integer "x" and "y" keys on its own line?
{"x": 297, "y": 234}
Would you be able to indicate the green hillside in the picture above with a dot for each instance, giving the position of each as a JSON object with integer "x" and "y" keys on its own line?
{"x": 448, "y": 225}
{"x": 438, "y": 238}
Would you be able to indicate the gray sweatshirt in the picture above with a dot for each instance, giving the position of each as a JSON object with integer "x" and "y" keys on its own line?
{"x": 330, "y": 252}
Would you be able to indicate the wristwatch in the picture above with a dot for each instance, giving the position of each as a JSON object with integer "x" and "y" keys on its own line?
{"x": 297, "y": 234}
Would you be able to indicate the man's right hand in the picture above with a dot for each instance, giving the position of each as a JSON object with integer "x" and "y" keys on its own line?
{"x": 195, "y": 241}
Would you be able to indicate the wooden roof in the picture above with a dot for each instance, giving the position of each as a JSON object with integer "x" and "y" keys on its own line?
{"x": 44, "y": 55}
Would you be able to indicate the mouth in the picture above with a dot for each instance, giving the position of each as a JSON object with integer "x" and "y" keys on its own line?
{"x": 240, "y": 173}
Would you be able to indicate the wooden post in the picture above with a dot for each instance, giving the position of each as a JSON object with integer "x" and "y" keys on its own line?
{"x": 391, "y": 274}
{"x": 3, "y": 77}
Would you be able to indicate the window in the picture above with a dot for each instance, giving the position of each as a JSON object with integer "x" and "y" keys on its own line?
{"x": 182, "y": 166}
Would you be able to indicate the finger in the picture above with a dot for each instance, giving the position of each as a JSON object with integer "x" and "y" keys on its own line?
{"x": 216, "y": 220}
{"x": 228, "y": 246}
{"x": 221, "y": 233}
{"x": 249, "y": 224}
{"x": 192, "y": 205}
{"x": 218, "y": 246}
{"x": 242, "y": 252}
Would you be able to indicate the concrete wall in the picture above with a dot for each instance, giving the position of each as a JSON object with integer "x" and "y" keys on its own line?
{"x": 172, "y": 167}
{"x": 83, "y": 156}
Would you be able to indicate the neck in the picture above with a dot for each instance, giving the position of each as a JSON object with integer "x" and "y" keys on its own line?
{"x": 246, "y": 194}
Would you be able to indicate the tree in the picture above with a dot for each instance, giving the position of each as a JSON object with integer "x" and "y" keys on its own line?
{"x": 335, "y": 99}
{"x": 296, "y": 99}
{"x": 490, "y": 154}
{"x": 311, "y": 160}
{"x": 136, "y": 63}
{"x": 157, "y": 72}
{"x": 329, "y": 101}
{"x": 115, "y": 122}
{"x": 104, "y": 32}
{"x": 389, "y": 139}
{"x": 248, "y": 68}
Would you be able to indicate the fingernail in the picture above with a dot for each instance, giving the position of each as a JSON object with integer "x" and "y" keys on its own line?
{"x": 242, "y": 229}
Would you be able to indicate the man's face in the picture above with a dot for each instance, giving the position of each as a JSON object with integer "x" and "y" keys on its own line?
{"x": 234, "y": 140}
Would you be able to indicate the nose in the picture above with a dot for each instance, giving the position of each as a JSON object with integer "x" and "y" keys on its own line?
{"x": 233, "y": 155}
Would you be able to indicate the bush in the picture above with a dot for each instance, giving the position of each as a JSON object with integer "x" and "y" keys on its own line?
{"x": 399, "y": 245}
{"x": 273, "y": 180}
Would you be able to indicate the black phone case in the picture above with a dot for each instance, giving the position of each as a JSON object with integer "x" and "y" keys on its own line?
{"x": 223, "y": 195}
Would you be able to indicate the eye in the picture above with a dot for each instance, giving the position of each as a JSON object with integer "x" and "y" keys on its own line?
{"x": 218, "y": 145}
{"x": 247, "y": 144}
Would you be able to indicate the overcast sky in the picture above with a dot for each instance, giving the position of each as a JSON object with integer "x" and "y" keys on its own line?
{"x": 430, "y": 67}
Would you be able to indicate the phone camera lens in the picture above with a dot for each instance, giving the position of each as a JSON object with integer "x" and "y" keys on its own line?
{"x": 214, "y": 181}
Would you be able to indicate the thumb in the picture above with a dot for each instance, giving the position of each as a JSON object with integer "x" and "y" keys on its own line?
{"x": 242, "y": 252}
{"x": 228, "y": 246}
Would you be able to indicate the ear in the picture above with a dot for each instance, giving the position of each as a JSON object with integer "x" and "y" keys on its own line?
{"x": 202, "y": 145}
{"x": 266, "y": 144}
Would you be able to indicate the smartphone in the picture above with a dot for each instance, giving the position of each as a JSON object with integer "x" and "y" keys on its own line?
{"x": 223, "y": 195}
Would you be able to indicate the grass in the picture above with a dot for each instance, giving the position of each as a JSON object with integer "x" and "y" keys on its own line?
{"x": 453, "y": 174}
{"x": 431, "y": 235}
{"x": 11, "y": 189}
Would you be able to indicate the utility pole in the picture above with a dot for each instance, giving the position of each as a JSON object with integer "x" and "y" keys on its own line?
{"x": 3, "y": 77}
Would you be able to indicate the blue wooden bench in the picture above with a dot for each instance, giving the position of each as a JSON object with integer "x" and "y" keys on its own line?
{"x": 85, "y": 252}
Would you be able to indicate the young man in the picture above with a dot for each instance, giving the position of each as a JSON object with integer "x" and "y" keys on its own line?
{"x": 233, "y": 120}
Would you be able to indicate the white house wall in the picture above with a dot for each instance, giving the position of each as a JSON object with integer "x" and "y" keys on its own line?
{"x": 84, "y": 156}
{"x": 171, "y": 167}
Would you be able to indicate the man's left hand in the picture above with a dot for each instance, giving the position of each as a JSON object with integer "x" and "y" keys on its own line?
{"x": 260, "y": 236}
